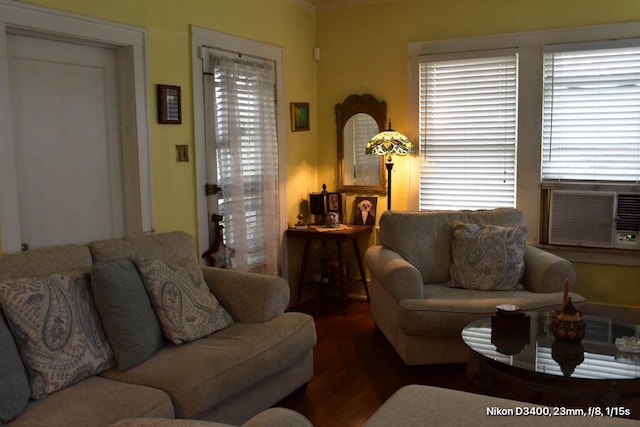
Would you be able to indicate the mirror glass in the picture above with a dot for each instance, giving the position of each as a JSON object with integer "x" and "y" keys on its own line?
{"x": 358, "y": 119}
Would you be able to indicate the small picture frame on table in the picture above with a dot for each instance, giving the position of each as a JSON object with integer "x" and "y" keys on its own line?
{"x": 169, "y": 108}
{"x": 365, "y": 210}
{"x": 335, "y": 202}
{"x": 299, "y": 116}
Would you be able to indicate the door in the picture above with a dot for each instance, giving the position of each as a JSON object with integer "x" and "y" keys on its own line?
{"x": 64, "y": 99}
{"x": 242, "y": 157}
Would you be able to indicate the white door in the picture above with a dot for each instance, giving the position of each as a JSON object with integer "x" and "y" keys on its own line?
{"x": 64, "y": 99}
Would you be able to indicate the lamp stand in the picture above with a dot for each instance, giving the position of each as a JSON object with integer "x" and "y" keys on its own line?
{"x": 389, "y": 165}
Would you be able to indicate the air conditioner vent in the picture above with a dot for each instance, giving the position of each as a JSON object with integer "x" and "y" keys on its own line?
{"x": 582, "y": 218}
{"x": 628, "y": 215}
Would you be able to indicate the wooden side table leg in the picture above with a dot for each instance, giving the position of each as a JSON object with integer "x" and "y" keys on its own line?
{"x": 303, "y": 268}
{"x": 340, "y": 276}
{"x": 356, "y": 250}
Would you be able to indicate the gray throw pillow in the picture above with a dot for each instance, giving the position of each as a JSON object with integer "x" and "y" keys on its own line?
{"x": 487, "y": 257}
{"x": 187, "y": 310}
{"x": 128, "y": 318}
{"x": 14, "y": 384}
{"x": 57, "y": 330}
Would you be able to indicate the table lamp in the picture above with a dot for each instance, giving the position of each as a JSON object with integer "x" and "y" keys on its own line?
{"x": 387, "y": 143}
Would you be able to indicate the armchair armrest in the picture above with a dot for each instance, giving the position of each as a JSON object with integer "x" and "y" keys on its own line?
{"x": 248, "y": 297}
{"x": 545, "y": 272}
{"x": 394, "y": 273}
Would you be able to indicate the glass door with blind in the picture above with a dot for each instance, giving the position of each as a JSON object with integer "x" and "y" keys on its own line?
{"x": 242, "y": 157}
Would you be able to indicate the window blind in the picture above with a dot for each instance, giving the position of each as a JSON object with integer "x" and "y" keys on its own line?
{"x": 468, "y": 131}
{"x": 247, "y": 159}
{"x": 591, "y": 115}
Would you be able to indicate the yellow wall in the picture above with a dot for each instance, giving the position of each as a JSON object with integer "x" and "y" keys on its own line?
{"x": 364, "y": 50}
{"x": 286, "y": 23}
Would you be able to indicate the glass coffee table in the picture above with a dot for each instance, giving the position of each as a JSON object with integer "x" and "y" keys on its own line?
{"x": 592, "y": 372}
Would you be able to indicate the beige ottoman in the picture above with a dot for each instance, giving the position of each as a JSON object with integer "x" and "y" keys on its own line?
{"x": 272, "y": 417}
{"x": 417, "y": 405}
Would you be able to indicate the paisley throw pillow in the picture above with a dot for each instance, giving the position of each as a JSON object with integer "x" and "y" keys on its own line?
{"x": 185, "y": 307}
{"x": 487, "y": 257}
{"x": 57, "y": 330}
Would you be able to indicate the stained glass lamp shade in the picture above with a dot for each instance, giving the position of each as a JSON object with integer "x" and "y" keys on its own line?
{"x": 387, "y": 143}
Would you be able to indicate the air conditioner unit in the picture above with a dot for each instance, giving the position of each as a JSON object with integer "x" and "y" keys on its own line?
{"x": 604, "y": 219}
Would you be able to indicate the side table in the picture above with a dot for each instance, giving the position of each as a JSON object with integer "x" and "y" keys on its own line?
{"x": 323, "y": 234}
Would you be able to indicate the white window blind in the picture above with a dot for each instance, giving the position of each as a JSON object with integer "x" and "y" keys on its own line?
{"x": 247, "y": 159}
{"x": 591, "y": 115}
{"x": 468, "y": 131}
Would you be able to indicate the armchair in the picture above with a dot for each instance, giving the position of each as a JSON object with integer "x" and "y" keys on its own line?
{"x": 413, "y": 302}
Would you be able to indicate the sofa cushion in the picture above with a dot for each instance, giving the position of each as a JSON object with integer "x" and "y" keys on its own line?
{"x": 208, "y": 372}
{"x": 487, "y": 257}
{"x": 128, "y": 318}
{"x": 57, "y": 330}
{"x": 187, "y": 310}
{"x": 95, "y": 402}
{"x": 14, "y": 385}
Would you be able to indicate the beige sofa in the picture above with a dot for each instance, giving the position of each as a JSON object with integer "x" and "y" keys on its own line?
{"x": 227, "y": 376}
{"x": 411, "y": 303}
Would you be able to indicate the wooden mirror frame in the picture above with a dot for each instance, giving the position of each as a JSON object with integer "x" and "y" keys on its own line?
{"x": 351, "y": 106}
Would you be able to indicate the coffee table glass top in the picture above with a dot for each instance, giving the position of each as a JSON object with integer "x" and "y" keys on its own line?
{"x": 596, "y": 357}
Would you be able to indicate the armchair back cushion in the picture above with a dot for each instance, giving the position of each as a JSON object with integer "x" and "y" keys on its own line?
{"x": 430, "y": 249}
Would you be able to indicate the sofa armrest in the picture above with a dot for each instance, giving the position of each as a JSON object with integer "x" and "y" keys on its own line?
{"x": 546, "y": 272}
{"x": 394, "y": 273}
{"x": 248, "y": 297}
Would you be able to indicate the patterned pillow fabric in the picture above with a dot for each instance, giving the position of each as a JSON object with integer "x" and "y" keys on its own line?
{"x": 487, "y": 257}
{"x": 57, "y": 330}
{"x": 186, "y": 309}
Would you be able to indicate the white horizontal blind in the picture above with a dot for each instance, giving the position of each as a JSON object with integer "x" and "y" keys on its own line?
{"x": 591, "y": 115}
{"x": 468, "y": 131}
{"x": 247, "y": 157}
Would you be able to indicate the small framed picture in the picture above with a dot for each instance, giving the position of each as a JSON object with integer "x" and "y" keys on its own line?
{"x": 299, "y": 116}
{"x": 335, "y": 202}
{"x": 365, "y": 210}
{"x": 169, "y": 111}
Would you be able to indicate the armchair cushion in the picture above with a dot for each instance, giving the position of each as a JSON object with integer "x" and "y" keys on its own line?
{"x": 487, "y": 257}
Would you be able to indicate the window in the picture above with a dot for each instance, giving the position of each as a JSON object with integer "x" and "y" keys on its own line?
{"x": 591, "y": 114}
{"x": 467, "y": 131}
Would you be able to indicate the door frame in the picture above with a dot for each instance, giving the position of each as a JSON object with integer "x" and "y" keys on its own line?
{"x": 201, "y": 37}
{"x": 130, "y": 44}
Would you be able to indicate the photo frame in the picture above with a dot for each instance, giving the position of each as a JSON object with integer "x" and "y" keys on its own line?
{"x": 335, "y": 202}
{"x": 169, "y": 104}
{"x": 364, "y": 212}
{"x": 299, "y": 116}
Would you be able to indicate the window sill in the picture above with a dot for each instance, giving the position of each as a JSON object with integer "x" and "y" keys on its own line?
{"x": 595, "y": 255}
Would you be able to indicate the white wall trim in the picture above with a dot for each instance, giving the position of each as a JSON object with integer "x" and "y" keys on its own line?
{"x": 130, "y": 42}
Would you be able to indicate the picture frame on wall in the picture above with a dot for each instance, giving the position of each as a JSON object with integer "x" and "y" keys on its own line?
{"x": 299, "y": 116}
{"x": 364, "y": 212}
{"x": 169, "y": 104}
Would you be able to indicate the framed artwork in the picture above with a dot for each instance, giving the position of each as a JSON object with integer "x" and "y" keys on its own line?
{"x": 299, "y": 116}
{"x": 365, "y": 210}
{"x": 169, "y": 109}
{"x": 335, "y": 202}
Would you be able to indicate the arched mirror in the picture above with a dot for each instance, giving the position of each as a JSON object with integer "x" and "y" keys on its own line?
{"x": 358, "y": 119}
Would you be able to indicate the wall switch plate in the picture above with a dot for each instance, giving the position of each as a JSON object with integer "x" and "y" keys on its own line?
{"x": 182, "y": 153}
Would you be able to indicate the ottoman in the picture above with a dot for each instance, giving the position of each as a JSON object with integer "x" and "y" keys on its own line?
{"x": 416, "y": 405}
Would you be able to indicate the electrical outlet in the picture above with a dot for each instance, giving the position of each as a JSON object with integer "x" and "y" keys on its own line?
{"x": 182, "y": 153}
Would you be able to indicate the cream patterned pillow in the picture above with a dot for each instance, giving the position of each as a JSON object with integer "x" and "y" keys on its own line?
{"x": 487, "y": 257}
{"x": 57, "y": 329}
{"x": 185, "y": 307}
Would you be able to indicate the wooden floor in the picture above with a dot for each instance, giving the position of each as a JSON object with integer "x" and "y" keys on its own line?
{"x": 356, "y": 369}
